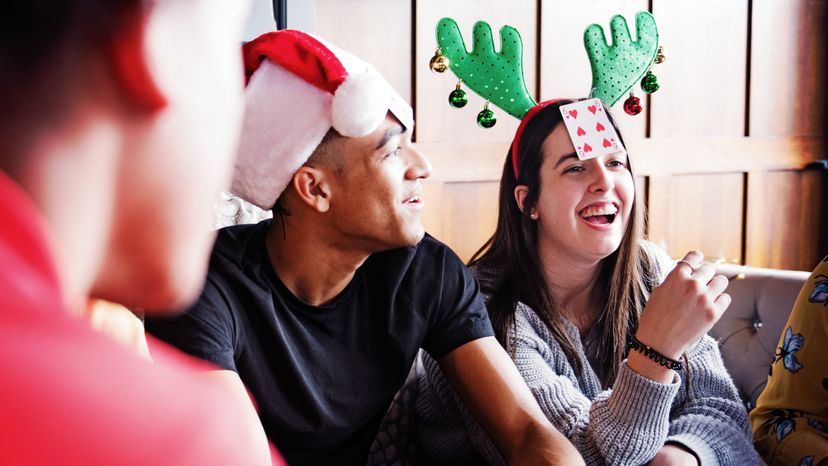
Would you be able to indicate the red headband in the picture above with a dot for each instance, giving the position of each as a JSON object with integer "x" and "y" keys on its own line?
{"x": 519, "y": 133}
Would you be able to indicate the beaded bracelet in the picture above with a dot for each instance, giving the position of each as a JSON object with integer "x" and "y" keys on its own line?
{"x": 634, "y": 344}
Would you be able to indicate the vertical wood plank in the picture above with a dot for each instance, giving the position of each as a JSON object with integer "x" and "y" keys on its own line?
{"x": 469, "y": 215}
{"x": 658, "y": 211}
{"x": 436, "y": 121}
{"x": 703, "y": 80}
{"x": 564, "y": 67}
{"x": 702, "y": 212}
{"x": 785, "y": 219}
{"x": 788, "y": 69}
{"x": 378, "y": 31}
{"x": 433, "y": 214}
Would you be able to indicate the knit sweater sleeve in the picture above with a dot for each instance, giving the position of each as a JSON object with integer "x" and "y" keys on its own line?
{"x": 709, "y": 419}
{"x": 625, "y": 425}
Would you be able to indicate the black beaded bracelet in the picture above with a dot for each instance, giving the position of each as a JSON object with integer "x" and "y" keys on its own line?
{"x": 634, "y": 344}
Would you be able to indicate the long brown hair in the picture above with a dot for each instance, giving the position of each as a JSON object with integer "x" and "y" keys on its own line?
{"x": 509, "y": 269}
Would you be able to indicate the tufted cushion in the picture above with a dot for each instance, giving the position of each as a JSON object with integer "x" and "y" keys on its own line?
{"x": 749, "y": 331}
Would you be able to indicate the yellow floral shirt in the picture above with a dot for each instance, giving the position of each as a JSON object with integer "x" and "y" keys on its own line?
{"x": 791, "y": 415}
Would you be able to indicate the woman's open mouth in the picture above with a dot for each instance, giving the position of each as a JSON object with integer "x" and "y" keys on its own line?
{"x": 603, "y": 214}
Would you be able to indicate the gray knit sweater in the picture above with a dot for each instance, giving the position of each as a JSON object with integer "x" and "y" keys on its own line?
{"x": 625, "y": 425}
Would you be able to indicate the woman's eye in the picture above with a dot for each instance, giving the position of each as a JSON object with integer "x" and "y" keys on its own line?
{"x": 617, "y": 163}
{"x": 393, "y": 153}
{"x": 574, "y": 169}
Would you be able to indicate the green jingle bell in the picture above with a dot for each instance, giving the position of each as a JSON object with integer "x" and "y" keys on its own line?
{"x": 486, "y": 118}
{"x": 458, "y": 97}
{"x": 649, "y": 83}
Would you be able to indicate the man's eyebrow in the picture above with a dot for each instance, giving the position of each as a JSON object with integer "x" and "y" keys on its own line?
{"x": 565, "y": 158}
{"x": 393, "y": 131}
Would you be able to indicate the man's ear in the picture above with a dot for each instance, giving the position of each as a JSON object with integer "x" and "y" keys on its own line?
{"x": 131, "y": 67}
{"x": 312, "y": 187}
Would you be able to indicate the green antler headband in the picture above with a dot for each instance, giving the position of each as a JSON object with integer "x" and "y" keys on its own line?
{"x": 617, "y": 67}
{"x": 498, "y": 76}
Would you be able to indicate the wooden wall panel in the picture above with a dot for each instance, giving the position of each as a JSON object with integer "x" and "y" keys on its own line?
{"x": 701, "y": 212}
{"x": 564, "y": 67}
{"x": 703, "y": 81}
{"x": 788, "y": 69}
{"x": 469, "y": 215}
{"x": 786, "y": 219}
{"x": 436, "y": 120}
{"x": 378, "y": 31}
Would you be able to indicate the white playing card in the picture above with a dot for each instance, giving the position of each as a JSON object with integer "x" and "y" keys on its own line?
{"x": 590, "y": 130}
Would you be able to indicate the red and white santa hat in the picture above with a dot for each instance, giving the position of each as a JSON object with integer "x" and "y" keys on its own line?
{"x": 299, "y": 87}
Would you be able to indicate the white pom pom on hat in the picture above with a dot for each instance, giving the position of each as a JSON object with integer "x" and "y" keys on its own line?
{"x": 299, "y": 87}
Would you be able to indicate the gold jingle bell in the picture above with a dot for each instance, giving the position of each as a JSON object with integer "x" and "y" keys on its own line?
{"x": 660, "y": 57}
{"x": 439, "y": 62}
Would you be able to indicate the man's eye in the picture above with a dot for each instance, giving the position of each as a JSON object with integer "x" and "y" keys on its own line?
{"x": 393, "y": 153}
{"x": 574, "y": 169}
{"x": 617, "y": 163}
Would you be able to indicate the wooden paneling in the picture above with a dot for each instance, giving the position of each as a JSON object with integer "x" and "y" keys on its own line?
{"x": 564, "y": 65}
{"x": 703, "y": 80}
{"x": 702, "y": 212}
{"x": 469, "y": 215}
{"x": 788, "y": 69}
{"x": 378, "y": 31}
{"x": 436, "y": 121}
{"x": 785, "y": 219}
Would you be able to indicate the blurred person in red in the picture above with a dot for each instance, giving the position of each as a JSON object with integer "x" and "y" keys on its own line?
{"x": 119, "y": 126}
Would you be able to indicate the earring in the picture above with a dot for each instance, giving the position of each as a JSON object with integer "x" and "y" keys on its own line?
{"x": 458, "y": 97}
{"x": 534, "y": 216}
{"x": 486, "y": 118}
{"x": 439, "y": 62}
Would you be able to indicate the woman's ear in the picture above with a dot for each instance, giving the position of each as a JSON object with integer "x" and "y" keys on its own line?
{"x": 521, "y": 191}
{"x": 131, "y": 66}
{"x": 312, "y": 188}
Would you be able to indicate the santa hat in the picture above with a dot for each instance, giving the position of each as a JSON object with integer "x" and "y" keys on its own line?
{"x": 298, "y": 88}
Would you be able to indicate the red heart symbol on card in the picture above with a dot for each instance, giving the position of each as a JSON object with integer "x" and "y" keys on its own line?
{"x": 580, "y": 131}
{"x": 599, "y": 127}
{"x": 587, "y": 148}
{"x": 592, "y": 109}
{"x": 607, "y": 143}
{"x": 573, "y": 113}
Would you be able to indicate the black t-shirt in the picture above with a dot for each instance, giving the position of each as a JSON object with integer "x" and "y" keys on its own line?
{"x": 323, "y": 377}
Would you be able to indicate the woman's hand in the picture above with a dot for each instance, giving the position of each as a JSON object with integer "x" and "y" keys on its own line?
{"x": 679, "y": 312}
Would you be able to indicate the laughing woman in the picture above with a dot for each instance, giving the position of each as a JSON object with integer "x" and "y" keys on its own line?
{"x": 571, "y": 288}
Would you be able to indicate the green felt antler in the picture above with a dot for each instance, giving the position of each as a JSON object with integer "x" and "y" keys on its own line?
{"x": 497, "y": 77}
{"x": 617, "y": 67}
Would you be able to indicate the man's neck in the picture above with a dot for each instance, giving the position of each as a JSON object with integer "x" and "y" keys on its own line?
{"x": 312, "y": 268}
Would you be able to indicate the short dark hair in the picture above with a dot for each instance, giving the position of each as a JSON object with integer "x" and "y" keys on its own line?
{"x": 46, "y": 50}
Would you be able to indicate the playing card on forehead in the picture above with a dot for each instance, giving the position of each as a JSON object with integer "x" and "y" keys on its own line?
{"x": 590, "y": 130}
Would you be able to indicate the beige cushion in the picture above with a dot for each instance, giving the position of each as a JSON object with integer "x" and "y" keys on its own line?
{"x": 749, "y": 331}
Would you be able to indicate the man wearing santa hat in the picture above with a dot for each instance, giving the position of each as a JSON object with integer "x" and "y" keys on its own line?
{"x": 322, "y": 310}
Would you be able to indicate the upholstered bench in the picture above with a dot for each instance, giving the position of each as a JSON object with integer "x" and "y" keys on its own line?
{"x": 749, "y": 331}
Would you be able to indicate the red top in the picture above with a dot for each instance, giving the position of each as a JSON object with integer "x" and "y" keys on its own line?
{"x": 72, "y": 396}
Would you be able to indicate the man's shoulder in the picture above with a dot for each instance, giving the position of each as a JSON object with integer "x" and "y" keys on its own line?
{"x": 232, "y": 240}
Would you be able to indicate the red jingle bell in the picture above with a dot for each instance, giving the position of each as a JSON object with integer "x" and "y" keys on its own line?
{"x": 632, "y": 105}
